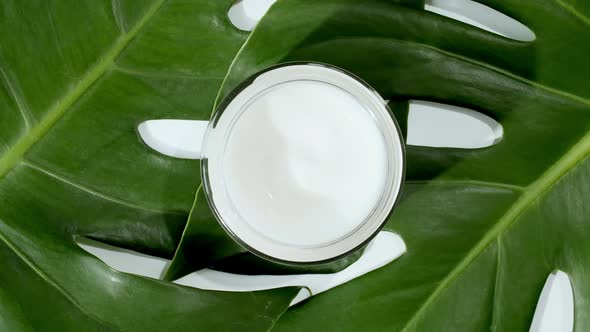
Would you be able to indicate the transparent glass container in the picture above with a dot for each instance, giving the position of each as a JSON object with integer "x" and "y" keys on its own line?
{"x": 214, "y": 153}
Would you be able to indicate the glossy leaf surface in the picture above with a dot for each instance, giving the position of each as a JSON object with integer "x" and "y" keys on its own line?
{"x": 76, "y": 78}
{"x": 483, "y": 227}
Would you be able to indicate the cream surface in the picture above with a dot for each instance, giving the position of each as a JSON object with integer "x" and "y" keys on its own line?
{"x": 305, "y": 164}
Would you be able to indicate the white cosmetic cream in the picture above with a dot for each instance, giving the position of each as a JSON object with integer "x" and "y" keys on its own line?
{"x": 303, "y": 163}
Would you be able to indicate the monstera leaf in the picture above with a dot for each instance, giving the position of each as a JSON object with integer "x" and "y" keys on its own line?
{"x": 76, "y": 78}
{"x": 484, "y": 227}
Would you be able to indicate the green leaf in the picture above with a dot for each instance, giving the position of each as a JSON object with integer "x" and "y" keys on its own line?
{"x": 484, "y": 227}
{"x": 76, "y": 78}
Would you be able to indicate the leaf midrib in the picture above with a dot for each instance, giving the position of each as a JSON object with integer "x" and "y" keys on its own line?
{"x": 15, "y": 154}
{"x": 532, "y": 193}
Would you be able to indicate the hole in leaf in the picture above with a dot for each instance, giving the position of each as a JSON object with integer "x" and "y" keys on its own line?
{"x": 481, "y": 16}
{"x": 555, "y": 309}
{"x": 382, "y": 250}
{"x": 124, "y": 260}
{"x": 441, "y": 125}
{"x": 245, "y": 14}
{"x": 174, "y": 138}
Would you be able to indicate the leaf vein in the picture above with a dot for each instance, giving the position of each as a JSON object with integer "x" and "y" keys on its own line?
{"x": 173, "y": 75}
{"x": 498, "y": 185}
{"x": 54, "y": 114}
{"x": 56, "y": 39}
{"x": 496, "y": 284}
{"x": 116, "y": 6}
{"x": 506, "y": 73}
{"x": 536, "y": 190}
{"x": 28, "y": 261}
{"x": 21, "y": 105}
{"x": 93, "y": 192}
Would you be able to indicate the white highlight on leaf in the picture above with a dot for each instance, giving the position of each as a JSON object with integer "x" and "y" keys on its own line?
{"x": 555, "y": 309}
{"x": 481, "y": 16}
{"x": 174, "y": 138}
{"x": 440, "y": 125}
{"x": 383, "y": 249}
